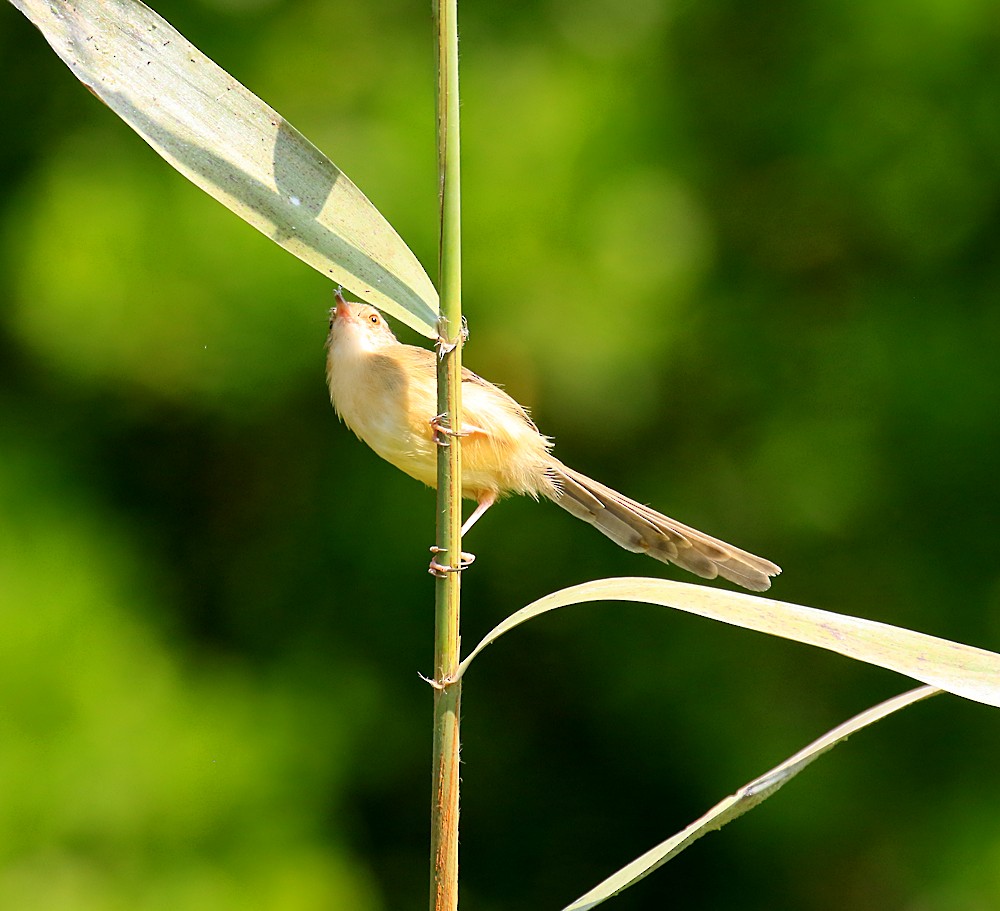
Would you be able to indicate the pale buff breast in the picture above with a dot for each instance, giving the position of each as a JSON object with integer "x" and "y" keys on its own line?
{"x": 389, "y": 397}
{"x": 371, "y": 393}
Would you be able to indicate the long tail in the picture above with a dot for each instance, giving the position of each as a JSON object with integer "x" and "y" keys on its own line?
{"x": 643, "y": 530}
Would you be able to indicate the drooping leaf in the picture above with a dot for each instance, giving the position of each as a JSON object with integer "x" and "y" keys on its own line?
{"x": 746, "y": 798}
{"x": 960, "y": 669}
{"x": 223, "y": 138}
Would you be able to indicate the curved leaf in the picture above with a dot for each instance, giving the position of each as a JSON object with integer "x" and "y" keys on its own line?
{"x": 223, "y": 138}
{"x": 746, "y": 798}
{"x": 960, "y": 669}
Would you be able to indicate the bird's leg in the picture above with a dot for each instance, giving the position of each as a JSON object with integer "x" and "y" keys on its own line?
{"x": 486, "y": 500}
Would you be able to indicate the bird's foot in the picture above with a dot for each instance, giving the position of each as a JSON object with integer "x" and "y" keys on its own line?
{"x": 443, "y": 430}
{"x": 440, "y": 570}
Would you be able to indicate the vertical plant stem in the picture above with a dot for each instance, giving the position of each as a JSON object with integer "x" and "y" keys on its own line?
{"x": 447, "y": 697}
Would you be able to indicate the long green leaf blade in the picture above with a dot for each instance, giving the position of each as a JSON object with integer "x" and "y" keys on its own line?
{"x": 746, "y": 798}
{"x": 223, "y": 138}
{"x": 973, "y": 673}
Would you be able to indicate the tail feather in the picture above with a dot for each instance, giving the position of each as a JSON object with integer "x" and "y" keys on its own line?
{"x": 643, "y": 530}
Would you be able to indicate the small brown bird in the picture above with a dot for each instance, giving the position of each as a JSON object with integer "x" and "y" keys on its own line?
{"x": 386, "y": 392}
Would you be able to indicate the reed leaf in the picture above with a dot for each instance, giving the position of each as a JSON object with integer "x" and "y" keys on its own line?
{"x": 226, "y": 140}
{"x": 746, "y": 798}
{"x": 966, "y": 671}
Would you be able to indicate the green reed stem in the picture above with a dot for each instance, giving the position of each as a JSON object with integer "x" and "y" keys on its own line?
{"x": 447, "y": 697}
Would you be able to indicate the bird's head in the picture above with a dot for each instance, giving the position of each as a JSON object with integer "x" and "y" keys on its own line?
{"x": 358, "y": 328}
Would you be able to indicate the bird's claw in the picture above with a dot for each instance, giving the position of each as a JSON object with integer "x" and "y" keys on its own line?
{"x": 440, "y": 570}
{"x": 443, "y": 430}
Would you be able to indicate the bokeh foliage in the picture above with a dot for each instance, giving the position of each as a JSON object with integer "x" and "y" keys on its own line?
{"x": 742, "y": 261}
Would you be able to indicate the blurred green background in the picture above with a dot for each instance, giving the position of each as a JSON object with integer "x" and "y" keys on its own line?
{"x": 742, "y": 261}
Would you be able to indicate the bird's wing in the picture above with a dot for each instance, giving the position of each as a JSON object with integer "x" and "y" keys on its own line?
{"x": 480, "y": 389}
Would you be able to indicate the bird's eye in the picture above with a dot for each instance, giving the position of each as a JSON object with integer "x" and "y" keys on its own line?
{"x": 373, "y": 319}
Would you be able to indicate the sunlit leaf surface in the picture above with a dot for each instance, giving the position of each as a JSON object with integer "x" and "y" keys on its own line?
{"x": 960, "y": 669}
{"x": 227, "y": 141}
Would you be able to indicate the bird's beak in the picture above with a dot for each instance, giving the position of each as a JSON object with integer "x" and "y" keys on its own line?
{"x": 343, "y": 309}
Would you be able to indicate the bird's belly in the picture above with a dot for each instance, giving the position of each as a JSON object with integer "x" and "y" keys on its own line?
{"x": 409, "y": 452}
{"x": 483, "y": 468}
{"x": 502, "y": 464}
